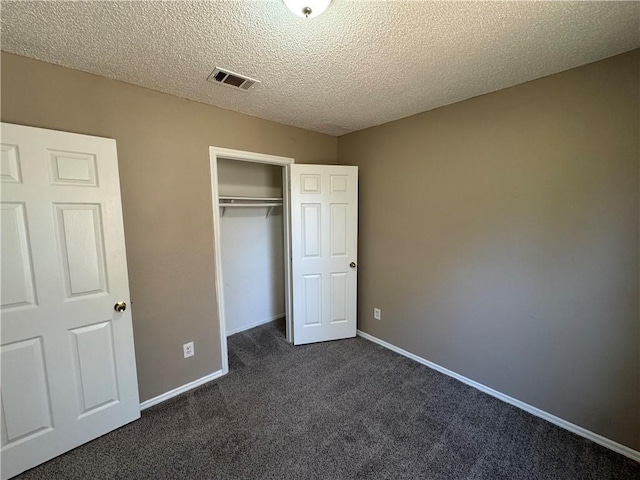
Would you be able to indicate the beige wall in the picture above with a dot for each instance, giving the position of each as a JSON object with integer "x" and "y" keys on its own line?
{"x": 166, "y": 195}
{"x": 499, "y": 236}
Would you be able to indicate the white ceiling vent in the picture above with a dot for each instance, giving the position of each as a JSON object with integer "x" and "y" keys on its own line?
{"x": 230, "y": 79}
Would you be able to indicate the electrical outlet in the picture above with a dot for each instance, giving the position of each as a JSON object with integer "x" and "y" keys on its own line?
{"x": 188, "y": 350}
{"x": 377, "y": 314}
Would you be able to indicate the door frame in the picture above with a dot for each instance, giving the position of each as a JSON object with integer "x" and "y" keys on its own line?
{"x": 216, "y": 153}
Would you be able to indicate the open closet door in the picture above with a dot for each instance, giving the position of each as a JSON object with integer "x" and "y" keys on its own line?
{"x": 324, "y": 243}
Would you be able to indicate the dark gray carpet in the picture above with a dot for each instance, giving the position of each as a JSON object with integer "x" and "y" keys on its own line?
{"x": 337, "y": 410}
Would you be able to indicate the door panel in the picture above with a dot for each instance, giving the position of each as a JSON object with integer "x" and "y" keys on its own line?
{"x": 339, "y": 297}
{"x": 95, "y": 366}
{"x": 26, "y": 405}
{"x": 17, "y": 272}
{"x": 311, "y": 230}
{"x": 324, "y": 227}
{"x": 68, "y": 364}
{"x": 80, "y": 242}
{"x": 339, "y": 229}
{"x": 71, "y": 168}
{"x": 10, "y": 166}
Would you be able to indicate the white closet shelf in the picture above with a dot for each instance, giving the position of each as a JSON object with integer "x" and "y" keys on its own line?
{"x": 265, "y": 204}
{"x": 265, "y": 199}
{"x": 249, "y": 202}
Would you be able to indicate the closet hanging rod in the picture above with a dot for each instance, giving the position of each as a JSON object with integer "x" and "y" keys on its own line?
{"x": 248, "y": 199}
{"x": 268, "y": 203}
{"x": 253, "y": 205}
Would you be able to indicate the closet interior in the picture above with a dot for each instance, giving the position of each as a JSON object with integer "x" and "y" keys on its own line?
{"x": 252, "y": 243}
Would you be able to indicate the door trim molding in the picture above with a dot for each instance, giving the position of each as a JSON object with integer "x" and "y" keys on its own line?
{"x": 177, "y": 391}
{"x": 214, "y": 154}
{"x": 583, "y": 432}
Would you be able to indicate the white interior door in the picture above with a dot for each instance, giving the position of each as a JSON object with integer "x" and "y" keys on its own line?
{"x": 68, "y": 365}
{"x": 324, "y": 244}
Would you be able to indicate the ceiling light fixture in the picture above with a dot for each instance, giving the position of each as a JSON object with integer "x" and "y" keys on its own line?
{"x": 307, "y": 8}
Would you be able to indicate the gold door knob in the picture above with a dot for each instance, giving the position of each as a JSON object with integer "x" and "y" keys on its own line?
{"x": 353, "y": 265}
{"x": 120, "y": 307}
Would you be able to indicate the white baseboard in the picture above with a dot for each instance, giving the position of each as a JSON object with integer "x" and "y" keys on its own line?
{"x": 177, "y": 391}
{"x": 255, "y": 324}
{"x": 583, "y": 432}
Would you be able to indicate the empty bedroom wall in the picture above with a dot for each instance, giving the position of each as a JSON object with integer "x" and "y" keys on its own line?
{"x": 500, "y": 238}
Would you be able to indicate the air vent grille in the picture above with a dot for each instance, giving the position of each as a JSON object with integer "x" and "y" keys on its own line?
{"x": 231, "y": 79}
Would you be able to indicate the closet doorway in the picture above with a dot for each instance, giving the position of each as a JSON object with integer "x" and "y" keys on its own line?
{"x": 252, "y": 241}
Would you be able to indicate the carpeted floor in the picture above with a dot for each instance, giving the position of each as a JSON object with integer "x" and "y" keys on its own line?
{"x": 337, "y": 410}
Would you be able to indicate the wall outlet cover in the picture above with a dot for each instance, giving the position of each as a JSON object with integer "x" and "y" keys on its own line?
{"x": 377, "y": 314}
{"x": 188, "y": 350}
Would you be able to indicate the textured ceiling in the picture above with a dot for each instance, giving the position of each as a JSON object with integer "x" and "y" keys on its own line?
{"x": 359, "y": 64}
